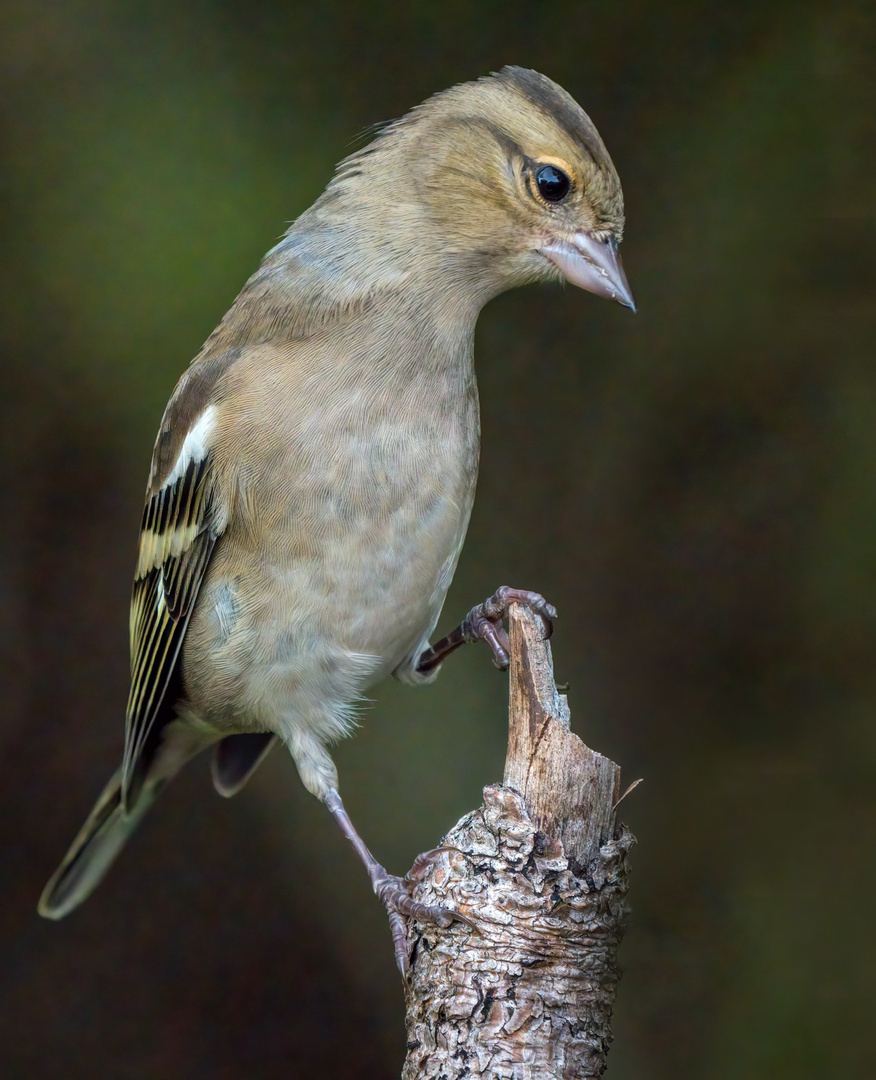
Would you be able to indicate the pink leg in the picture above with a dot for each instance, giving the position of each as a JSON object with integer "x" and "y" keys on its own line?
{"x": 393, "y": 892}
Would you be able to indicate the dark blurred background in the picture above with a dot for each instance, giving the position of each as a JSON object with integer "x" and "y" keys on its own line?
{"x": 702, "y": 511}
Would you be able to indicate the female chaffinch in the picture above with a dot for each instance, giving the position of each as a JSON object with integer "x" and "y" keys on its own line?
{"x": 315, "y": 468}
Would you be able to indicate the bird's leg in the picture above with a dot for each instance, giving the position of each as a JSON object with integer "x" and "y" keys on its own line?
{"x": 393, "y": 892}
{"x": 484, "y": 623}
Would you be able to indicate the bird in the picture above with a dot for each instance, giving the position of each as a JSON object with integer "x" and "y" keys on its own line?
{"x": 314, "y": 471}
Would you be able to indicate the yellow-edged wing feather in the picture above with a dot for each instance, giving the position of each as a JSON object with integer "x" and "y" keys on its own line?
{"x": 177, "y": 537}
{"x": 182, "y": 521}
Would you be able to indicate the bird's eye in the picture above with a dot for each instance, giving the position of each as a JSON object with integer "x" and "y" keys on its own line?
{"x": 553, "y": 184}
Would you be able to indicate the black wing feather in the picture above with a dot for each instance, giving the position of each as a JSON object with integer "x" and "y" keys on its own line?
{"x": 177, "y": 537}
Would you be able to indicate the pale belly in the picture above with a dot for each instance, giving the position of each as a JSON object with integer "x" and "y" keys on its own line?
{"x": 347, "y": 587}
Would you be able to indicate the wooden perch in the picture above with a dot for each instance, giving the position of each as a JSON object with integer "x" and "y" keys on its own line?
{"x": 540, "y": 871}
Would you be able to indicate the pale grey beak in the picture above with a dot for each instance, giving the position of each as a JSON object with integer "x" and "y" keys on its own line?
{"x": 592, "y": 264}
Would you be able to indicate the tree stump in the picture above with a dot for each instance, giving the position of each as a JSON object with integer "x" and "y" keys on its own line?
{"x": 523, "y": 990}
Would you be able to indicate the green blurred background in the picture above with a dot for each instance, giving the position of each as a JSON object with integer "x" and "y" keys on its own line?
{"x": 702, "y": 510}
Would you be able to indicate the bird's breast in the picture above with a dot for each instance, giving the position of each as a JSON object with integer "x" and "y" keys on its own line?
{"x": 355, "y": 510}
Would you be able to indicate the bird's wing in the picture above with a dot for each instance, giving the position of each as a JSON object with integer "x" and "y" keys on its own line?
{"x": 183, "y": 518}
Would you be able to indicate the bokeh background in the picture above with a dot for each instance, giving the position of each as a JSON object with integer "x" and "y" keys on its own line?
{"x": 702, "y": 509}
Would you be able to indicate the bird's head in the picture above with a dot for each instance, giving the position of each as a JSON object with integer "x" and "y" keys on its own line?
{"x": 488, "y": 185}
{"x": 515, "y": 184}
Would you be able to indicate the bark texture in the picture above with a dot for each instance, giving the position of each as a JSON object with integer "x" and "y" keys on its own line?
{"x": 523, "y": 990}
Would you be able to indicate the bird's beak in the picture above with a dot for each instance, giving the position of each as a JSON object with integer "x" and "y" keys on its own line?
{"x": 592, "y": 264}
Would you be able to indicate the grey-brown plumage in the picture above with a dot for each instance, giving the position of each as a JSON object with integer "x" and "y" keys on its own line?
{"x": 314, "y": 473}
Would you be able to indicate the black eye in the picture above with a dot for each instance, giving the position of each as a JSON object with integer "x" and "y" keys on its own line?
{"x": 553, "y": 184}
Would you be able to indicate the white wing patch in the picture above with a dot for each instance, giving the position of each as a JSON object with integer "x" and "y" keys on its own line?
{"x": 162, "y": 542}
{"x": 194, "y": 448}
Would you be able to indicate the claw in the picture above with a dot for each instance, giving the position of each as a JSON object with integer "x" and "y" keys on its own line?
{"x": 400, "y": 905}
{"x": 423, "y": 862}
{"x": 394, "y": 896}
{"x": 484, "y": 622}
{"x": 399, "y": 945}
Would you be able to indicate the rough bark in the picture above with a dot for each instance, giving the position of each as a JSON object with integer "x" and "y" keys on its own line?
{"x": 524, "y": 990}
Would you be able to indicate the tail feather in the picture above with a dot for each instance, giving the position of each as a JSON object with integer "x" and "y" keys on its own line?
{"x": 100, "y": 839}
{"x": 237, "y": 757}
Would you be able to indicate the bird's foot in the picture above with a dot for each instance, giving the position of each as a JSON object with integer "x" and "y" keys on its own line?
{"x": 394, "y": 892}
{"x": 424, "y": 861}
{"x": 484, "y": 622}
{"x": 395, "y": 895}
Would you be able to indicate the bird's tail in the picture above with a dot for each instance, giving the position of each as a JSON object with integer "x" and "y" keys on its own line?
{"x": 100, "y": 839}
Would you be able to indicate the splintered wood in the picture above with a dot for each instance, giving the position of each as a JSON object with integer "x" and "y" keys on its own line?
{"x": 523, "y": 989}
